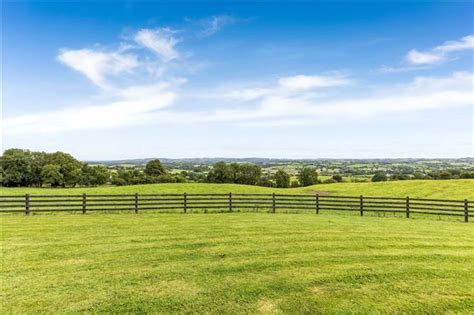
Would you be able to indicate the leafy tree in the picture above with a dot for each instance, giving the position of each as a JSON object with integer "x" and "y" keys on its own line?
{"x": 51, "y": 175}
{"x": 282, "y": 179}
{"x": 294, "y": 184}
{"x": 265, "y": 181}
{"x": 69, "y": 167}
{"x": 337, "y": 178}
{"x": 308, "y": 176}
{"x": 220, "y": 173}
{"x": 418, "y": 175}
{"x": 247, "y": 174}
{"x": 154, "y": 168}
{"x": 16, "y": 167}
{"x": 165, "y": 178}
{"x": 94, "y": 175}
{"x": 379, "y": 177}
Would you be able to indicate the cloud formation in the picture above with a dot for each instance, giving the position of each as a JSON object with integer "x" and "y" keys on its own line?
{"x": 306, "y": 82}
{"x": 97, "y": 65}
{"x": 440, "y": 53}
{"x": 130, "y": 106}
{"x": 160, "y": 40}
{"x": 266, "y": 107}
{"x": 214, "y": 24}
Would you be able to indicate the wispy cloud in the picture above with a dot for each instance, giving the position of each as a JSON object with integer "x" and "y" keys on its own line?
{"x": 130, "y": 106}
{"x": 306, "y": 82}
{"x": 440, "y": 53}
{"x": 422, "y": 93}
{"x": 152, "y": 104}
{"x": 214, "y": 24}
{"x": 162, "y": 41}
{"x": 97, "y": 65}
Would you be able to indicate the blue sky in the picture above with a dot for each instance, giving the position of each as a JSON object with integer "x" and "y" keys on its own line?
{"x": 115, "y": 80}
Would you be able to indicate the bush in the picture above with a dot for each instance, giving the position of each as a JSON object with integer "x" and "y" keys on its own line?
{"x": 166, "y": 178}
{"x": 329, "y": 181}
{"x": 337, "y": 178}
{"x": 379, "y": 177}
{"x": 294, "y": 184}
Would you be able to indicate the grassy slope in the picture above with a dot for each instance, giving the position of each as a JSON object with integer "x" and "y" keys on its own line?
{"x": 449, "y": 189}
{"x": 235, "y": 263}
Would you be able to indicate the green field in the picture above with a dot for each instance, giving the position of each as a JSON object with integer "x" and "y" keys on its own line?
{"x": 444, "y": 189}
{"x": 235, "y": 263}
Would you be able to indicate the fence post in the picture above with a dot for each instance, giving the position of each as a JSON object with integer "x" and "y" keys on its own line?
{"x": 273, "y": 203}
{"x": 466, "y": 211}
{"x": 27, "y": 203}
{"x": 230, "y": 202}
{"x": 185, "y": 202}
{"x": 84, "y": 203}
{"x": 317, "y": 203}
{"x": 408, "y": 207}
{"x": 362, "y": 206}
{"x": 136, "y": 202}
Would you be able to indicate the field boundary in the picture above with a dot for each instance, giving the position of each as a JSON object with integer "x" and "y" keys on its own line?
{"x": 231, "y": 202}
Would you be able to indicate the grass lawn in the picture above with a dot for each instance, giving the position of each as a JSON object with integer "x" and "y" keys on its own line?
{"x": 235, "y": 263}
{"x": 443, "y": 189}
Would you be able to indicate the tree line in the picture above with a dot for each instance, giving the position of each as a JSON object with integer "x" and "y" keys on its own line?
{"x": 27, "y": 168}
{"x": 251, "y": 174}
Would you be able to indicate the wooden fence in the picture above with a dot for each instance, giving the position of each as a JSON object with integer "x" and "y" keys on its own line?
{"x": 234, "y": 202}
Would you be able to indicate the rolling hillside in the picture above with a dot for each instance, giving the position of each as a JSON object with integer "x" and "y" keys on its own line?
{"x": 449, "y": 189}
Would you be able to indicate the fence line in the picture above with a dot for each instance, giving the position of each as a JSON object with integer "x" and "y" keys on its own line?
{"x": 234, "y": 202}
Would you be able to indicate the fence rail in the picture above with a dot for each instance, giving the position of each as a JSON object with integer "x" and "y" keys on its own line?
{"x": 234, "y": 202}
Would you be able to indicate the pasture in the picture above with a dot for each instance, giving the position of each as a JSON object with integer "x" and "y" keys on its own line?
{"x": 228, "y": 263}
{"x": 441, "y": 189}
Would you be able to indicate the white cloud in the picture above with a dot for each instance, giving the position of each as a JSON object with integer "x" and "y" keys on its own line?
{"x": 215, "y": 24}
{"x": 151, "y": 104}
{"x": 417, "y": 57}
{"x": 306, "y": 82}
{"x": 423, "y": 93}
{"x": 96, "y": 65}
{"x": 130, "y": 106}
{"x": 440, "y": 53}
{"x": 467, "y": 42}
{"x": 161, "y": 41}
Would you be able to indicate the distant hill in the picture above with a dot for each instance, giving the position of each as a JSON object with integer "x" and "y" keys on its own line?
{"x": 272, "y": 161}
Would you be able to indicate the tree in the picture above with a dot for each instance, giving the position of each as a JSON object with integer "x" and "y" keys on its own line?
{"x": 220, "y": 173}
{"x": 16, "y": 167}
{"x": 379, "y": 177}
{"x": 154, "y": 168}
{"x": 94, "y": 175}
{"x": 337, "y": 178}
{"x": 308, "y": 176}
{"x": 282, "y": 179}
{"x": 247, "y": 174}
{"x": 51, "y": 175}
{"x": 69, "y": 167}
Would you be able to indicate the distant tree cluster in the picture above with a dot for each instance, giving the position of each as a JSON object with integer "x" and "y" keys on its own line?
{"x": 250, "y": 174}
{"x": 20, "y": 167}
{"x": 153, "y": 173}
{"x": 437, "y": 175}
{"x": 27, "y": 168}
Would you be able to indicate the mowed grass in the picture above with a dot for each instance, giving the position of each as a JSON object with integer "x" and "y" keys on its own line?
{"x": 235, "y": 263}
{"x": 442, "y": 189}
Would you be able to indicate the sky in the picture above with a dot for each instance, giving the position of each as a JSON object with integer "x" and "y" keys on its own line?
{"x": 109, "y": 80}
